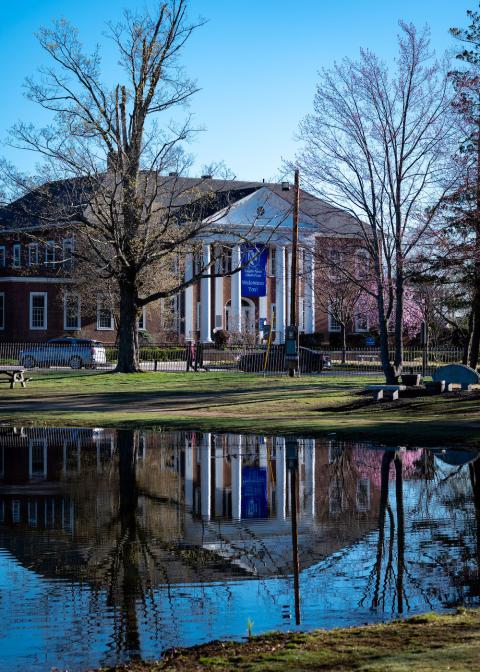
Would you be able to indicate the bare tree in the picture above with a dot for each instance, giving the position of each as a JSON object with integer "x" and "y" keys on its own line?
{"x": 110, "y": 169}
{"x": 377, "y": 146}
{"x": 334, "y": 291}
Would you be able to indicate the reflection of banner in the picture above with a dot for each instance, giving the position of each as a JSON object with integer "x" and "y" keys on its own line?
{"x": 254, "y": 492}
{"x": 254, "y": 273}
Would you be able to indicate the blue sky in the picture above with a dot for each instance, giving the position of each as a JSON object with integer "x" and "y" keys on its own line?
{"x": 256, "y": 62}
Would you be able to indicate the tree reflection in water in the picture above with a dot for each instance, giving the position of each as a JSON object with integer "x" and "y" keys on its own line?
{"x": 146, "y": 517}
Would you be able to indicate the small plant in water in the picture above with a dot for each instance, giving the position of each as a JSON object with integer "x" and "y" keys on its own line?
{"x": 249, "y": 627}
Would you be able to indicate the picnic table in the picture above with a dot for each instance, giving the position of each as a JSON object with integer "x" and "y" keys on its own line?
{"x": 15, "y": 374}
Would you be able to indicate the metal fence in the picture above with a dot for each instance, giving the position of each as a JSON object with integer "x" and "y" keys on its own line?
{"x": 176, "y": 358}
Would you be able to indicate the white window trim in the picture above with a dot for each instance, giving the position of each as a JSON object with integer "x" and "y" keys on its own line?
{"x": 50, "y": 246}
{"x": 333, "y": 328}
{"x": 45, "y": 311}
{"x": 358, "y": 329}
{"x": 17, "y": 259}
{"x": 67, "y": 246}
{"x": 112, "y": 323}
{"x": 33, "y": 247}
{"x": 2, "y": 311}
{"x": 32, "y": 444}
{"x": 79, "y": 307}
{"x": 143, "y": 320}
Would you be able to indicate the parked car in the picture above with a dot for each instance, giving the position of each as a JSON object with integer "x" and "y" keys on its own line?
{"x": 310, "y": 361}
{"x": 73, "y": 352}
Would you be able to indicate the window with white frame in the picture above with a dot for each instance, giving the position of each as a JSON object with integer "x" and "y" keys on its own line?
{"x": 33, "y": 254}
{"x": 32, "y": 512}
{"x": 50, "y": 253}
{"x": 67, "y": 250}
{"x": 104, "y": 315}
{"x": 142, "y": 320}
{"x": 50, "y": 512}
{"x": 198, "y": 315}
{"x": 301, "y": 313}
{"x": 17, "y": 255}
{"x": 16, "y": 511}
{"x": 334, "y": 325}
{"x": 38, "y": 310}
{"x": 2, "y": 310}
{"x": 361, "y": 263}
{"x": 37, "y": 458}
{"x": 361, "y": 322}
{"x": 71, "y": 312}
{"x": 272, "y": 261}
{"x": 363, "y": 495}
{"x": 3, "y": 256}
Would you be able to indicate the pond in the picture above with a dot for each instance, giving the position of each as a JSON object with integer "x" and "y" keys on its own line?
{"x": 120, "y": 544}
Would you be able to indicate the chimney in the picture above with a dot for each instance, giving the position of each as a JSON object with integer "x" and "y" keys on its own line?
{"x": 206, "y": 177}
{"x": 285, "y": 186}
{"x": 173, "y": 174}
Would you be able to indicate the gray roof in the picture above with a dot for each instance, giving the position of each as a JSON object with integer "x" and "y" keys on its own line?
{"x": 63, "y": 202}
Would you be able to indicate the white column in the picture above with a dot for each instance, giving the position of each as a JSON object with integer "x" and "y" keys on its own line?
{"x": 205, "y": 299}
{"x": 218, "y": 476}
{"x": 236, "y": 293}
{"x": 188, "y": 475}
{"x": 280, "y": 477}
{"x": 189, "y": 298}
{"x": 219, "y": 311}
{"x": 236, "y": 471}
{"x": 309, "y": 453}
{"x": 280, "y": 294}
{"x": 206, "y": 475}
{"x": 289, "y": 285}
{"x": 309, "y": 294}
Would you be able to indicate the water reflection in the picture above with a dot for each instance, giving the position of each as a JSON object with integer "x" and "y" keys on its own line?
{"x": 123, "y": 543}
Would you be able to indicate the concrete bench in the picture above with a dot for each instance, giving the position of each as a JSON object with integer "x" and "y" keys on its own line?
{"x": 15, "y": 374}
{"x": 386, "y": 391}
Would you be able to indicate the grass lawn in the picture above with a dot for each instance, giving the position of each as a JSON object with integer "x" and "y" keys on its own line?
{"x": 428, "y": 643}
{"x": 239, "y": 402}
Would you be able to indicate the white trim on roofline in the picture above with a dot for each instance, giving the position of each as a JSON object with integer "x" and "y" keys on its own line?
{"x": 26, "y": 278}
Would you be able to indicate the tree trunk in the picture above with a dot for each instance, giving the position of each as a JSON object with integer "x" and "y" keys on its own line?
{"x": 128, "y": 356}
{"x": 344, "y": 343}
{"x": 468, "y": 339}
{"x": 475, "y": 337}
{"x": 399, "y": 288}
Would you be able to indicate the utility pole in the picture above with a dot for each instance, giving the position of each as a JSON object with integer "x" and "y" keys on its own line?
{"x": 294, "y": 269}
{"x": 291, "y": 341}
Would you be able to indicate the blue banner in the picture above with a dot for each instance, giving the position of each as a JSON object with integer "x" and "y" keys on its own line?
{"x": 254, "y": 271}
{"x": 254, "y": 492}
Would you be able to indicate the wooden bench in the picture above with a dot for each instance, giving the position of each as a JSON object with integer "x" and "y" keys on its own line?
{"x": 386, "y": 391}
{"x": 15, "y": 374}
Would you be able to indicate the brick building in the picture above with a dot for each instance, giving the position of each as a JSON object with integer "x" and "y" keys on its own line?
{"x": 38, "y": 269}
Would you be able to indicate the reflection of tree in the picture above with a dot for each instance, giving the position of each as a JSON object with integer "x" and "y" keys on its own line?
{"x": 391, "y": 579}
{"x": 474, "y": 470}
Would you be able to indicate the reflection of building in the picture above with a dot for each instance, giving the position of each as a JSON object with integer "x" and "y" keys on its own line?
{"x": 225, "y": 495}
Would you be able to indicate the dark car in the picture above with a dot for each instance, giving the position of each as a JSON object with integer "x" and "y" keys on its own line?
{"x": 73, "y": 352}
{"x": 310, "y": 361}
